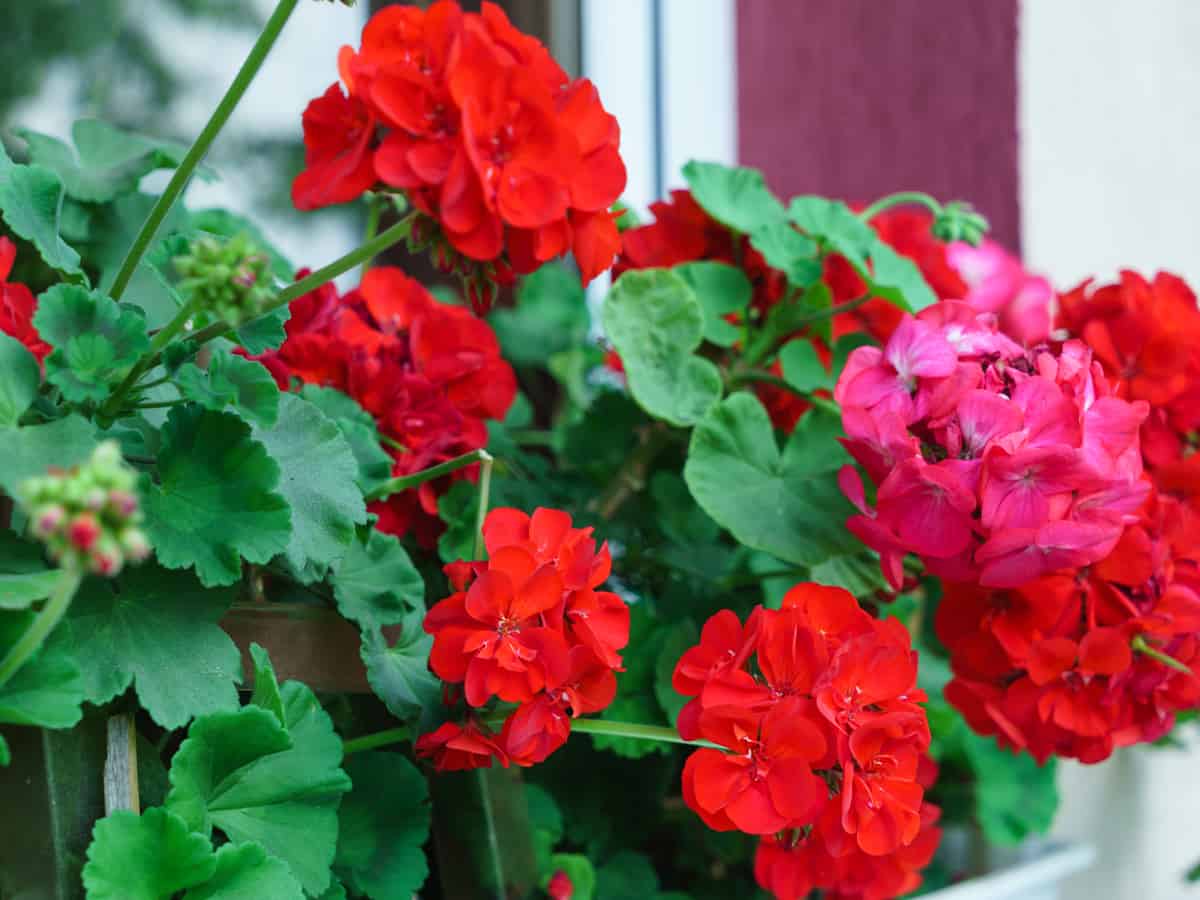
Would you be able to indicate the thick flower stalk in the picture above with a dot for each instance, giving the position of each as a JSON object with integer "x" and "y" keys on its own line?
{"x": 430, "y": 374}
{"x": 508, "y": 161}
{"x": 994, "y": 464}
{"x": 529, "y": 627}
{"x": 88, "y": 516}
{"x": 1078, "y": 663}
{"x": 817, "y": 709}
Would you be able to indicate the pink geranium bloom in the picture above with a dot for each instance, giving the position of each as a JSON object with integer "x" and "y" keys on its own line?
{"x": 998, "y": 283}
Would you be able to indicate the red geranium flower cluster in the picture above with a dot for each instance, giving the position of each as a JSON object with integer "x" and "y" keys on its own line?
{"x": 528, "y": 626}
{"x": 1146, "y": 334}
{"x": 816, "y": 706}
{"x": 430, "y": 373}
{"x": 17, "y": 305}
{"x": 1075, "y": 664}
{"x": 995, "y": 464}
{"x": 515, "y": 163}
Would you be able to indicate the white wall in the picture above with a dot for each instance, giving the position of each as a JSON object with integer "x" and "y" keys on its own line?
{"x": 1110, "y": 178}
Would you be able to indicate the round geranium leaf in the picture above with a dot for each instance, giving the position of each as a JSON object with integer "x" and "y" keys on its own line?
{"x": 96, "y": 340}
{"x": 146, "y": 857}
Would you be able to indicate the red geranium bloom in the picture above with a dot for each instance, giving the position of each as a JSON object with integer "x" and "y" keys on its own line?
{"x": 17, "y": 305}
{"x": 455, "y": 748}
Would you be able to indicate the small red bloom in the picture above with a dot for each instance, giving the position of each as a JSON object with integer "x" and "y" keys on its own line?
{"x": 17, "y": 305}
{"x": 454, "y": 748}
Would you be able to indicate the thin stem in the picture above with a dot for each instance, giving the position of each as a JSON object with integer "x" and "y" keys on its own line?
{"x": 147, "y": 385}
{"x": 161, "y": 338}
{"x": 632, "y": 476}
{"x": 404, "y": 482}
{"x": 901, "y": 198}
{"x": 158, "y": 404}
{"x": 314, "y": 280}
{"x": 378, "y": 739}
{"x": 659, "y": 733}
{"x": 392, "y": 442}
{"x": 835, "y": 310}
{"x": 241, "y": 81}
{"x": 374, "y": 211}
{"x": 485, "y": 489}
{"x": 741, "y": 378}
{"x": 532, "y": 437}
{"x": 29, "y": 642}
{"x": 1140, "y": 646}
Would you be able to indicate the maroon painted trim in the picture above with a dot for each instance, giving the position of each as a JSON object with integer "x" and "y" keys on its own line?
{"x": 858, "y": 98}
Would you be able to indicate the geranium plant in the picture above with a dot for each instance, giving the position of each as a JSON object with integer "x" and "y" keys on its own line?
{"x": 842, "y": 534}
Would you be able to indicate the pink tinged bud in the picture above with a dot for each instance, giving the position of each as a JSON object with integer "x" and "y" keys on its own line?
{"x": 105, "y": 559}
{"x": 83, "y": 531}
{"x": 123, "y": 503}
{"x": 245, "y": 278}
{"x": 94, "y": 500}
{"x": 560, "y": 887}
{"x": 47, "y": 520}
{"x": 135, "y": 545}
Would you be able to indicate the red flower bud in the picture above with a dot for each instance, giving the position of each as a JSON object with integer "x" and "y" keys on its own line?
{"x": 83, "y": 531}
{"x": 560, "y": 887}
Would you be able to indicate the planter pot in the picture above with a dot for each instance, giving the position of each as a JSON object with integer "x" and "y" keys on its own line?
{"x": 1033, "y": 871}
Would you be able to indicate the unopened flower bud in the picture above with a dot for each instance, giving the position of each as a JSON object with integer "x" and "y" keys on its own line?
{"x": 83, "y": 531}
{"x": 958, "y": 221}
{"x": 94, "y": 499}
{"x": 134, "y": 544}
{"x": 105, "y": 557}
{"x": 123, "y": 503}
{"x": 47, "y": 519}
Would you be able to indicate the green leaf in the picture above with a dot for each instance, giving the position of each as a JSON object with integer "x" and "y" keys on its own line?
{"x": 887, "y": 273}
{"x": 47, "y": 690}
{"x": 377, "y": 584}
{"x": 105, "y": 161}
{"x": 458, "y": 508}
{"x": 20, "y": 589}
{"x": 266, "y": 332}
{"x": 358, "y": 428}
{"x": 551, "y": 316}
{"x": 31, "y": 203}
{"x": 787, "y": 504}
{"x": 158, "y": 630}
{"x": 399, "y": 675}
{"x": 1014, "y": 796}
{"x": 33, "y": 449}
{"x": 802, "y": 367}
{"x": 266, "y": 685}
{"x": 96, "y": 340}
{"x": 734, "y": 196}
{"x": 721, "y": 289}
{"x": 317, "y": 478}
{"x": 859, "y": 573}
{"x": 655, "y": 321}
{"x": 147, "y": 857}
{"x": 624, "y": 876}
{"x": 19, "y": 379}
{"x": 216, "y": 503}
{"x": 255, "y": 780}
{"x": 579, "y": 870}
{"x": 383, "y": 824}
{"x": 232, "y": 380}
{"x": 786, "y": 249}
{"x": 245, "y": 872}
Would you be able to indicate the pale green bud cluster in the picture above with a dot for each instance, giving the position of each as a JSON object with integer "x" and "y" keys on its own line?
{"x": 958, "y": 221}
{"x": 88, "y": 516}
{"x": 228, "y": 278}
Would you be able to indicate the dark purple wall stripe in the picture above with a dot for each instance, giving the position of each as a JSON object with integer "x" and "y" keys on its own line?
{"x": 858, "y": 98}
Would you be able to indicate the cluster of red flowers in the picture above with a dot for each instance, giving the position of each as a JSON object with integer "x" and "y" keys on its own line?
{"x": 1077, "y": 663}
{"x": 824, "y": 745}
{"x": 17, "y": 305}
{"x": 994, "y": 464}
{"x": 512, "y": 163}
{"x": 1146, "y": 334}
{"x": 430, "y": 373}
{"x": 528, "y": 626}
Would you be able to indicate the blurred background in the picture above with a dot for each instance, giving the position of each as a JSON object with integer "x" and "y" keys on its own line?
{"x": 1072, "y": 124}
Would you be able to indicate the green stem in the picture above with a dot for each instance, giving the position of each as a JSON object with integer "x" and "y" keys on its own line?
{"x": 485, "y": 490}
{"x": 533, "y": 437}
{"x": 147, "y": 385}
{"x": 835, "y": 310}
{"x": 374, "y": 211}
{"x": 378, "y": 739}
{"x": 150, "y": 358}
{"x": 314, "y": 280}
{"x": 29, "y": 642}
{"x": 1140, "y": 646}
{"x": 392, "y": 442}
{"x": 179, "y": 180}
{"x": 632, "y": 476}
{"x": 739, "y": 379}
{"x": 901, "y": 198}
{"x": 158, "y": 404}
{"x": 404, "y": 482}
{"x": 659, "y": 733}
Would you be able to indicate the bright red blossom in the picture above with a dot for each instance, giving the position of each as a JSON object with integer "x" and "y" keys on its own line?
{"x": 17, "y": 305}
{"x": 510, "y": 163}
{"x": 823, "y": 745}
{"x": 528, "y": 626}
{"x": 431, "y": 375}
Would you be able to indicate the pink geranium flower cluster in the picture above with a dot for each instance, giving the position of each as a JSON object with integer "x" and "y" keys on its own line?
{"x": 994, "y": 464}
